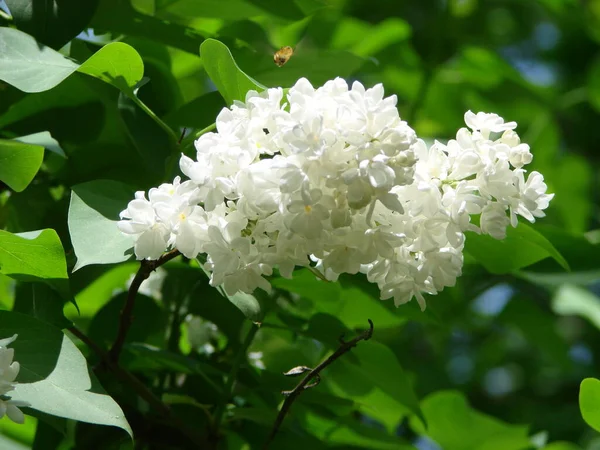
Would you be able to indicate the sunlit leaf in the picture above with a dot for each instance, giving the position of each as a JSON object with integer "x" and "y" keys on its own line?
{"x": 577, "y": 301}
{"x": 93, "y": 215}
{"x": 54, "y": 376}
{"x": 35, "y": 256}
{"x": 29, "y": 66}
{"x": 54, "y": 22}
{"x": 231, "y": 82}
{"x": 454, "y": 425}
{"x": 589, "y": 402}
{"x": 522, "y": 247}
{"x": 19, "y": 162}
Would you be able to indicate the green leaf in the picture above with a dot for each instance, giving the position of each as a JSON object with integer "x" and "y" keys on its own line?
{"x": 35, "y": 256}
{"x": 522, "y": 247}
{"x": 577, "y": 301}
{"x": 318, "y": 66}
{"x": 229, "y": 79}
{"x": 119, "y": 17}
{"x": 352, "y": 433}
{"x": 363, "y": 39}
{"x": 19, "y": 163}
{"x": 117, "y": 64}
{"x": 589, "y": 402}
{"x": 29, "y": 66}
{"x": 93, "y": 215}
{"x": 53, "y": 22}
{"x": 54, "y": 376}
{"x": 7, "y": 443}
{"x": 377, "y": 363}
{"x": 306, "y": 284}
{"x": 97, "y": 291}
{"x": 43, "y": 139}
{"x": 199, "y": 113}
{"x": 41, "y": 302}
{"x": 454, "y": 425}
{"x": 151, "y": 141}
{"x": 249, "y": 305}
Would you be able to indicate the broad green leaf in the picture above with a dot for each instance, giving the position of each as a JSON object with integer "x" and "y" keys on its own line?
{"x": 117, "y": 64}
{"x": 29, "y": 66}
{"x": 317, "y": 65}
{"x": 41, "y": 302}
{"x": 229, "y": 79}
{"x": 370, "y": 361}
{"x": 53, "y": 22}
{"x": 43, "y": 139}
{"x": 348, "y": 432}
{"x": 35, "y": 256}
{"x": 23, "y": 433}
{"x": 7, "y": 443}
{"x": 577, "y": 301}
{"x": 93, "y": 215}
{"x": 98, "y": 292}
{"x": 199, "y": 113}
{"x": 121, "y": 66}
{"x": 119, "y": 17}
{"x": 249, "y": 305}
{"x": 522, "y": 247}
{"x": 454, "y": 425}
{"x": 306, "y": 284}
{"x": 151, "y": 141}
{"x": 589, "y": 402}
{"x": 54, "y": 376}
{"x": 377, "y": 363}
{"x": 374, "y": 309}
{"x": 71, "y": 95}
{"x": 19, "y": 162}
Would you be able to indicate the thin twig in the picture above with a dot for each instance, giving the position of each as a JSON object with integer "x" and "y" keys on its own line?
{"x": 140, "y": 388}
{"x": 315, "y": 373}
{"x": 122, "y": 374}
{"x": 126, "y": 319}
{"x": 228, "y": 389}
{"x": 182, "y": 136}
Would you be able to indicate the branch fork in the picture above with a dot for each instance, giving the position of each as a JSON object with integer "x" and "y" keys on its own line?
{"x": 314, "y": 376}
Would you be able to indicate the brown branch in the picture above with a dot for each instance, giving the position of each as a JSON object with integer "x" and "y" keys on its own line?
{"x": 126, "y": 319}
{"x": 122, "y": 374}
{"x": 292, "y": 395}
{"x": 140, "y": 388}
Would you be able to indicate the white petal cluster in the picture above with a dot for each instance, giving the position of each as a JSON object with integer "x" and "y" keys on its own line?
{"x": 9, "y": 370}
{"x": 332, "y": 178}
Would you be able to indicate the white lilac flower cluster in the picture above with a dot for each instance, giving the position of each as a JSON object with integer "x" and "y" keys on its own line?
{"x": 333, "y": 179}
{"x": 9, "y": 370}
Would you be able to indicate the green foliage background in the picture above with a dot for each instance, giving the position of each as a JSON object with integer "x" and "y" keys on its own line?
{"x": 493, "y": 363}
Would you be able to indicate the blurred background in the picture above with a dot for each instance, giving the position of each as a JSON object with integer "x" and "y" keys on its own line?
{"x": 517, "y": 346}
